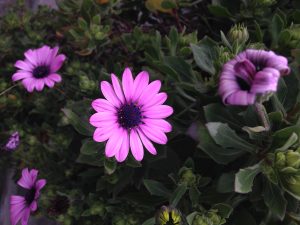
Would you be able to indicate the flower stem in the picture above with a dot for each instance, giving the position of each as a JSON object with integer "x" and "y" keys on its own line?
{"x": 8, "y": 89}
{"x": 261, "y": 111}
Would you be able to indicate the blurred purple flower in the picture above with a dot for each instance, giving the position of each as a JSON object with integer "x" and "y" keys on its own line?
{"x": 39, "y": 68}
{"x": 13, "y": 142}
{"x": 21, "y": 206}
{"x": 250, "y": 73}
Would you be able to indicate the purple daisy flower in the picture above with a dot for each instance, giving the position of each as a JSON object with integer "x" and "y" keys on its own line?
{"x": 39, "y": 68}
{"x": 21, "y": 206}
{"x": 132, "y": 115}
{"x": 250, "y": 73}
{"x": 13, "y": 142}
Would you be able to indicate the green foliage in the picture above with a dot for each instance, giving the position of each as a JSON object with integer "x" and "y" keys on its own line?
{"x": 220, "y": 166}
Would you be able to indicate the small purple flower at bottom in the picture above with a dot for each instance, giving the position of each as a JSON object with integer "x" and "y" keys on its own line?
{"x": 13, "y": 142}
{"x": 250, "y": 73}
{"x": 21, "y": 206}
{"x": 39, "y": 68}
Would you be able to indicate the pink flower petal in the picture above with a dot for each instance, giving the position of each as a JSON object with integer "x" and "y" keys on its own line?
{"x": 39, "y": 84}
{"x": 40, "y": 184}
{"x": 100, "y": 118}
{"x": 52, "y": 56}
{"x": 147, "y": 143}
{"x": 49, "y": 82}
{"x": 158, "y": 111}
{"x": 102, "y": 105}
{"x": 117, "y": 88}
{"x": 15, "y": 199}
{"x": 114, "y": 143}
{"x": 55, "y": 77}
{"x": 159, "y": 124}
{"x": 104, "y": 133}
{"x": 240, "y": 98}
{"x": 127, "y": 83}
{"x": 26, "y": 179}
{"x": 136, "y": 145}
{"x": 149, "y": 92}
{"x": 43, "y": 54}
{"x": 139, "y": 84}
{"x": 33, "y": 206}
{"x": 109, "y": 93}
{"x": 155, "y": 135}
{"x": 124, "y": 150}
{"x": 158, "y": 99}
{"x": 24, "y": 65}
{"x": 29, "y": 84}
{"x": 21, "y": 75}
{"x": 31, "y": 57}
{"x": 25, "y": 217}
{"x": 57, "y": 63}
{"x": 16, "y": 210}
{"x": 33, "y": 174}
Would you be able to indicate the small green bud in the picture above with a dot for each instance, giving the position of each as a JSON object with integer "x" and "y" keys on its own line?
{"x": 201, "y": 220}
{"x": 293, "y": 159}
{"x": 98, "y": 208}
{"x": 187, "y": 176}
{"x": 280, "y": 160}
{"x": 238, "y": 33}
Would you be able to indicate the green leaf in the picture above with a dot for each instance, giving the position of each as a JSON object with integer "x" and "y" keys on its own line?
{"x": 218, "y": 10}
{"x": 182, "y": 68}
{"x": 290, "y": 142}
{"x": 276, "y": 27}
{"x": 280, "y": 137}
{"x": 258, "y": 32}
{"x": 204, "y": 58}
{"x": 224, "y": 210}
{"x": 178, "y": 194}
{"x": 226, "y": 137}
{"x": 274, "y": 199}
{"x": 217, "y": 153}
{"x": 245, "y": 177}
{"x": 157, "y": 188}
{"x": 90, "y": 147}
{"x": 218, "y": 113}
{"x": 194, "y": 194}
{"x": 225, "y": 183}
{"x": 95, "y": 160}
{"x": 150, "y": 221}
{"x": 82, "y": 127}
{"x": 82, "y": 24}
{"x": 225, "y": 41}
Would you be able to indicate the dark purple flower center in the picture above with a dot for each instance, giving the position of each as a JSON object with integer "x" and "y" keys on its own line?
{"x": 29, "y": 196}
{"x": 129, "y": 116}
{"x": 41, "y": 71}
{"x": 243, "y": 84}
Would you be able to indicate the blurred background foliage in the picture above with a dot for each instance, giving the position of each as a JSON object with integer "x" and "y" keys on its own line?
{"x": 219, "y": 166}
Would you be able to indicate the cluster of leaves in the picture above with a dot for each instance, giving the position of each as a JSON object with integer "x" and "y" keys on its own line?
{"x": 219, "y": 165}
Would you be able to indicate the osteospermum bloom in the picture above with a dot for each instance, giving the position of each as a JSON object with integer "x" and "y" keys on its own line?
{"x": 131, "y": 115}
{"x": 39, "y": 68}
{"x": 250, "y": 73}
{"x": 13, "y": 142}
{"x": 21, "y": 206}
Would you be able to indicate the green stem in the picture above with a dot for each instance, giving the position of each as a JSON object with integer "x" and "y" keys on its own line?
{"x": 8, "y": 89}
{"x": 261, "y": 111}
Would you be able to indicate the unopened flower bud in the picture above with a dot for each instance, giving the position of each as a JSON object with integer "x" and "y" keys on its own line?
{"x": 187, "y": 176}
{"x": 238, "y": 33}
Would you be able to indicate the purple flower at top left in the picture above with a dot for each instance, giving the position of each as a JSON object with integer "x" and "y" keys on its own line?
{"x": 39, "y": 68}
